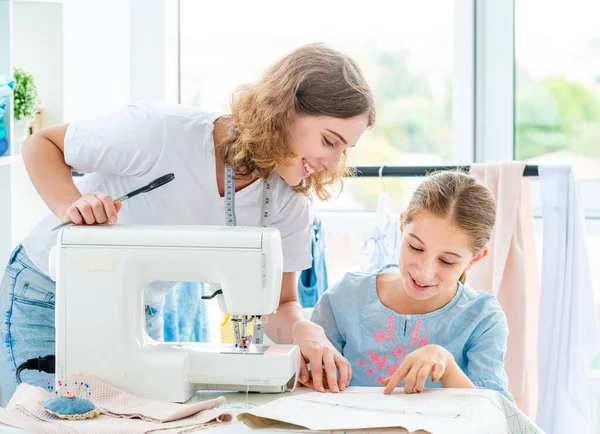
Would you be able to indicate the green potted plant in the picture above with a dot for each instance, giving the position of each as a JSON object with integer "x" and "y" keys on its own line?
{"x": 26, "y": 101}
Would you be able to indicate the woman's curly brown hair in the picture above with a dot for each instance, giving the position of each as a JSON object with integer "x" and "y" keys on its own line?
{"x": 313, "y": 80}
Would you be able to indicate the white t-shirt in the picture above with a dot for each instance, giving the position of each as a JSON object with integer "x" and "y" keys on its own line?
{"x": 127, "y": 149}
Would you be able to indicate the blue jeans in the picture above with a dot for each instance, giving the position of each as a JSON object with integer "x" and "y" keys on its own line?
{"x": 27, "y": 301}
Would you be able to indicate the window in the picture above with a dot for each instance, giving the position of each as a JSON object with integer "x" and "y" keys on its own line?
{"x": 557, "y": 101}
{"x": 405, "y": 51}
{"x": 442, "y": 73}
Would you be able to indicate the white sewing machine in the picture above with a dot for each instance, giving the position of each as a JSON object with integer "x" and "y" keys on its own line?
{"x": 101, "y": 273}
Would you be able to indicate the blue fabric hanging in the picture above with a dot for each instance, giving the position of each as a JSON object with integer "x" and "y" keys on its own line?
{"x": 6, "y": 88}
{"x": 185, "y": 314}
{"x": 312, "y": 283}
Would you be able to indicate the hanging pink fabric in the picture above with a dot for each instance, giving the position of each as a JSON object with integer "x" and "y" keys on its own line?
{"x": 510, "y": 272}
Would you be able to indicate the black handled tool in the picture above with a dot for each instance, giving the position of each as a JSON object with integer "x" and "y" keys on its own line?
{"x": 158, "y": 182}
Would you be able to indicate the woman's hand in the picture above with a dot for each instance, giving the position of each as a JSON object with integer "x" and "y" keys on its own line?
{"x": 316, "y": 349}
{"x": 430, "y": 360}
{"x": 93, "y": 208}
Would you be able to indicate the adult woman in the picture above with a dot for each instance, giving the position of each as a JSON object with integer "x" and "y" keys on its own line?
{"x": 290, "y": 130}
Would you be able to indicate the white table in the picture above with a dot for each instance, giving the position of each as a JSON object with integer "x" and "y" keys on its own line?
{"x": 435, "y": 409}
{"x": 239, "y": 402}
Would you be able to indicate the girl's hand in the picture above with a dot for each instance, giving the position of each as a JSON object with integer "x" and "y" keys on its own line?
{"x": 93, "y": 208}
{"x": 430, "y": 360}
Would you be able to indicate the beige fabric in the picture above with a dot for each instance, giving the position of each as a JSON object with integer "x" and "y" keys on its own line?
{"x": 368, "y": 410}
{"x": 121, "y": 412}
{"x": 510, "y": 272}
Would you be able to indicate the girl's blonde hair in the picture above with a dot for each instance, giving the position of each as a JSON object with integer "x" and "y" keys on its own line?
{"x": 313, "y": 80}
{"x": 459, "y": 197}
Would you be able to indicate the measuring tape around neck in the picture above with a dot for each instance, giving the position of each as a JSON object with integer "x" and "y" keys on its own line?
{"x": 265, "y": 208}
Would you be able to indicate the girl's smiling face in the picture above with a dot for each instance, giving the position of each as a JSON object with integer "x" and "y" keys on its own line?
{"x": 434, "y": 252}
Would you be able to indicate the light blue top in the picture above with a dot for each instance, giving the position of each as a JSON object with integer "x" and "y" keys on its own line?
{"x": 376, "y": 339}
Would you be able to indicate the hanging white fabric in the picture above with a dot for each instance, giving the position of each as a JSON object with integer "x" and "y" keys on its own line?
{"x": 382, "y": 246}
{"x": 569, "y": 335}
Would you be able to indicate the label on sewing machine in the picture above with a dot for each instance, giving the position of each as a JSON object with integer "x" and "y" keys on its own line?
{"x": 251, "y": 350}
{"x": 91, "y": 262}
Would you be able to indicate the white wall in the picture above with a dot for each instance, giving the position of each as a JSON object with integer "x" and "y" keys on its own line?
{"x": 38, "y": 49}
{"x": 154, "y": 52}
{"x": 5, "y": 215}
{"x": 116, "y": 52}
{"x": 97, "y": 57}
{"x": 5, "y": 70}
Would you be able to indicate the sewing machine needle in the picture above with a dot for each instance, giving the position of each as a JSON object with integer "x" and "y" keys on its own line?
{"x": 244, "y": 337}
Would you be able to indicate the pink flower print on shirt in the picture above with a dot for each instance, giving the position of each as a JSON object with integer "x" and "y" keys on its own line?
{"x": 416, "y": 332}
{"x": 373, "y": 357}
{"x": 399, "y": 351}
{"x": 390, "y": 329}
{"x": 381, "y": 363}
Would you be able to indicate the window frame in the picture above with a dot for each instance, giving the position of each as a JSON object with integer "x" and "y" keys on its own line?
{"x": 483, "y": 102}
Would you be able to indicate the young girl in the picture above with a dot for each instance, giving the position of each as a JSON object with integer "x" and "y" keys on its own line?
{"x": 419, "y": 323}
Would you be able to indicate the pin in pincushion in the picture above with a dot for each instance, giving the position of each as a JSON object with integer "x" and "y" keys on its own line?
{"x": 71, "y": 404}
